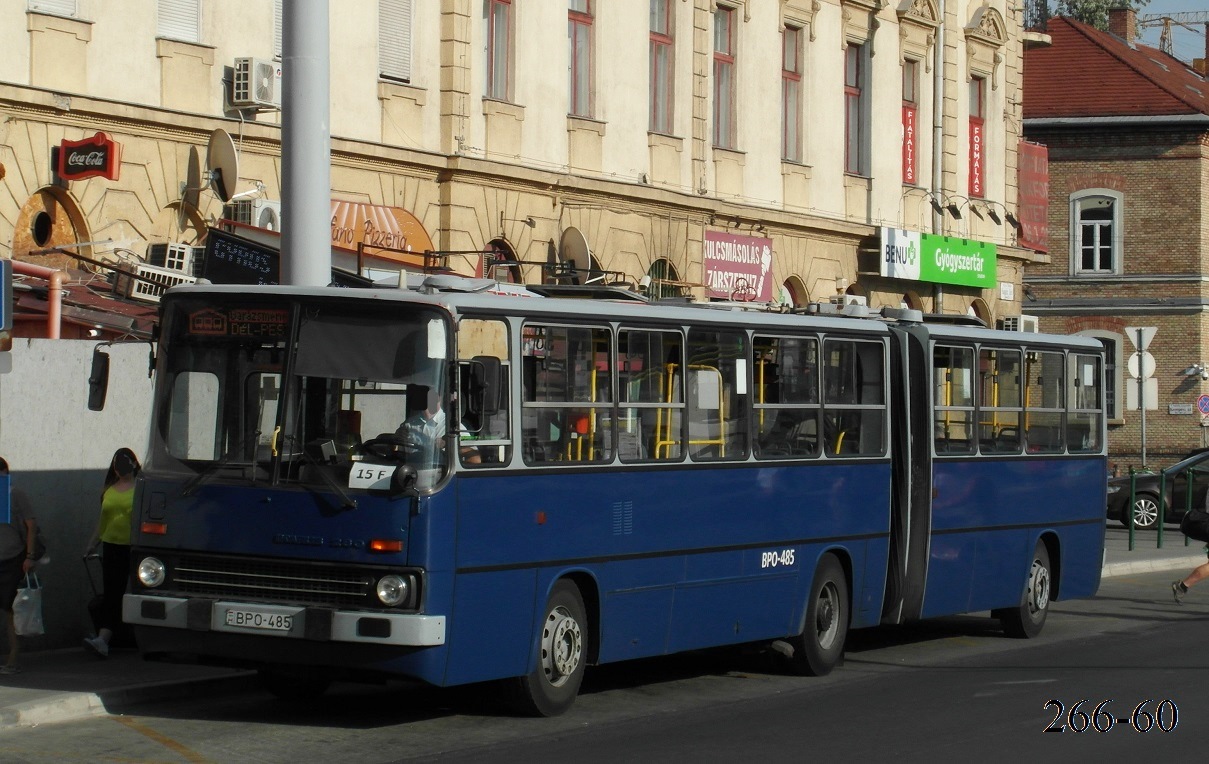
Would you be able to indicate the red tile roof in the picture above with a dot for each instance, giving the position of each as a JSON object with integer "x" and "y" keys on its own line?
{"x": 1090, "y": 73}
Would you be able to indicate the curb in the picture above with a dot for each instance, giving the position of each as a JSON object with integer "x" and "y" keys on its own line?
{"x": 1152, "y": 566}
{"x": 73, "y": 706}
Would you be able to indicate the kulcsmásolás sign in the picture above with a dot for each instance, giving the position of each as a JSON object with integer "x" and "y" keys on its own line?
{"x": 917, "y": 256}
{"x": 737, "y": 267}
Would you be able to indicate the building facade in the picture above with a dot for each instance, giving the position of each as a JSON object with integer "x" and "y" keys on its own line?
{"x": 785, "y": 151}
{"x": 1127, "y": 131}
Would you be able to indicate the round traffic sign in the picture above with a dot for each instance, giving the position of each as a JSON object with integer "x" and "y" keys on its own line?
{"x": 1147, "y": 365}
{"x": 1202, "y": 404}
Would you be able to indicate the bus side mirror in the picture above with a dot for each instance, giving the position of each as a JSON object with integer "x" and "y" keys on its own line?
{"x": 98, "y": 379}
{"x": 403, "y": 480}
{"x": 483, "y": 386}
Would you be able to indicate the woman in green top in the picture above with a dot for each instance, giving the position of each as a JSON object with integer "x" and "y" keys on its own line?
{"x": 113, "y": 533}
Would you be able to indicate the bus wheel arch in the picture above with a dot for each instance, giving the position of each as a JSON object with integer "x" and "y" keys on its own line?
{"x": 563, "y": 645}
{"x": 819, "y": 647}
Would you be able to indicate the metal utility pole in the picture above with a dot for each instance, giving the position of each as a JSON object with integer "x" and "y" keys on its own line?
{"x": 1165, "y": 20}
{"x": 306, "y": 145}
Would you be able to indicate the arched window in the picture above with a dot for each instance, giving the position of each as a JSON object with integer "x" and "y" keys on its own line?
{"x": 665, "y": 282}
{"x": 501, "y": 264}
{"x": 1096, "y": 237}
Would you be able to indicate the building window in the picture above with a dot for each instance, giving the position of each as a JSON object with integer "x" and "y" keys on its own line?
{"x": 277, "y": 25}
{"x": 856, "y": 93}
{"x": 724, "y": 77}
{"x": 1096, "y": 232}
{"x": 54, "y": 7}
{"x": 179, "y": 20}
{"x": 910, "y": 122}
{"x": 579, "y": 36}
{"x": 977, "y": 137}
{"x": 661, "y": 66}
{"x": 791, "y": 94}
{"x": 499, "y": 48}
{"x": 394, "y": 39}
{"x": 664, "y": 281}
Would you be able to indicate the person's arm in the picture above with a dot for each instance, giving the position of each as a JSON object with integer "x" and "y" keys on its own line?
{"x": 31, "y": 533}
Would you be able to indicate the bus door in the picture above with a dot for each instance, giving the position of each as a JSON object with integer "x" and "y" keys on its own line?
{"x": 911, "y": 500}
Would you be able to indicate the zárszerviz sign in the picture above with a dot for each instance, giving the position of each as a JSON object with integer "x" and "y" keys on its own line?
{"x": 937, "y": 259}
{"x": 737, "y": 267}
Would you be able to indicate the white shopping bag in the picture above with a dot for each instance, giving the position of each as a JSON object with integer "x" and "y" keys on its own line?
{"x": 27, "y": 608}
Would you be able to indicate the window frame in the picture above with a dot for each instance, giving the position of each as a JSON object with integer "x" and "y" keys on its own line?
{"x": 580, "y": 28}
{"x": 910, "y": 115}
{"x": 499, "y": 84}
{"x": 396, "y": 45}
{"x": 724, "y": 63}
{"x": 856, "y": 101}
{"x": 791, "y": 93}
{"x": 1078, "y": 202}
{"x": 662, "y": 84}
{"x": 977, "y": 137}
{"x": 179, "y": 20}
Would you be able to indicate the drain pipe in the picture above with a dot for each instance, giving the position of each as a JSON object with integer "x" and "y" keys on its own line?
{"x": 54, "y": 297}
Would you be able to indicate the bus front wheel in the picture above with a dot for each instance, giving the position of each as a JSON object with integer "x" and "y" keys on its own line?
{"x": 1026, "y": 620}
{"x": 562, "y": 644}
{"x": 820, "y": 646}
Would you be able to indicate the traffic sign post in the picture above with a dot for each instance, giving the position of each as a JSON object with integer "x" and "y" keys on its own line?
{"x": 1141, "y": 337}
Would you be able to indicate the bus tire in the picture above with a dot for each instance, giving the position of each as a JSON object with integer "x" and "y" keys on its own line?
{"x": 562, "y": 653}
{"x": 1025, "y": 621}
{"x": 820, "y": 646}
{"x": 291, "y": 687}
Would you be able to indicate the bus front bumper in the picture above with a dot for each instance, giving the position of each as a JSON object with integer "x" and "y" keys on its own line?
{"x": 288, "y": 621}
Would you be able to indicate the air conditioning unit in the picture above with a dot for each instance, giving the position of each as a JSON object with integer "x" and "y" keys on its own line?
{"x": 1020, "y": 324}
{"x": 176, "y": 256}
{"x": 257, "y": 84}
{"x": 153, "y": 282}
{"x": 262, "y": 213}
{"x": 850, "y": 299}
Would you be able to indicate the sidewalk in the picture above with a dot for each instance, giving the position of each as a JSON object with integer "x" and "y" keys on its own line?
{"x": 69, "y": 684}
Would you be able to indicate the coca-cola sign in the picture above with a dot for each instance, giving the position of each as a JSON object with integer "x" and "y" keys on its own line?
{"x": 98, "y": 156}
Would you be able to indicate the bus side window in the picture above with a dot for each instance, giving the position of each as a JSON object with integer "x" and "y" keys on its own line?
{"x": 484, "y": 430}
{"x": 717, "y": 376}
{"x": 566, "y": 399}
{"x": 651, "y": 404}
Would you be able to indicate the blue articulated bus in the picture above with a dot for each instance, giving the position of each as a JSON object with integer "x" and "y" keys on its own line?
{"x": 452, "y": 484}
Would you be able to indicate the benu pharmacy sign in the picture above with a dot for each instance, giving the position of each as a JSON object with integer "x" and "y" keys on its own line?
{"x": 937, "y": 259}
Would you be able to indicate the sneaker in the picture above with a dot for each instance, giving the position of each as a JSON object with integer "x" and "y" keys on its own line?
{"x": 10, "y": 669}
{"x": 100, "y": 646}
{"x": 1178, "y": 591}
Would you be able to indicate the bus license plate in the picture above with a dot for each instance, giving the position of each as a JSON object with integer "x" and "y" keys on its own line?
{"x": 250, "y": 619}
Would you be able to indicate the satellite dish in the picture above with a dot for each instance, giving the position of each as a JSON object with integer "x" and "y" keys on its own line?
{"x": 573, "y": 248}
{"x": 222, "y": 164}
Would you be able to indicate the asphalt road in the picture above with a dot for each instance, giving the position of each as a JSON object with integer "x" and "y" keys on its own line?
{"x": 951, "y": 689}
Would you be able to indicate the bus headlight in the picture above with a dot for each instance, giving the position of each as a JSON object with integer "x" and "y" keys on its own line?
{"x": 151, "y": 572}
{"x": 393, "y": 590}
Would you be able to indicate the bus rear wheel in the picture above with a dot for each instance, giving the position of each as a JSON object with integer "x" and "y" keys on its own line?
{"x": 562, "y": 644}
{"x": 820, "y": 646}
{"x": 1026, "y": 620}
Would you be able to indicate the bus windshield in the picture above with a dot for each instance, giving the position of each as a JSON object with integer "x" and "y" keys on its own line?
{"x": 263, "y": 389}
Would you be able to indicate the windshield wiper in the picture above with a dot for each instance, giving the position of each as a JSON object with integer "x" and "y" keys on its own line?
{"x": 348, "y": 501}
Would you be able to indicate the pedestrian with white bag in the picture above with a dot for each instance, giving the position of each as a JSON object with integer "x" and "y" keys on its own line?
{"x": 18, "y": 536}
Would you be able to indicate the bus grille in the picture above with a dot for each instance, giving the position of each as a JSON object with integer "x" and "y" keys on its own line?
{"x": 300, "y": 583}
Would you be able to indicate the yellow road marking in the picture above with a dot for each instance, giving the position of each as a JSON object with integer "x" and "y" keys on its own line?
{"x": 164, "y": 740}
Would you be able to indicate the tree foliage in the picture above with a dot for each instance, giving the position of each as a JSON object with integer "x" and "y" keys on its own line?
{"x": 1093, "y": 12}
